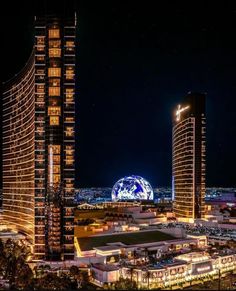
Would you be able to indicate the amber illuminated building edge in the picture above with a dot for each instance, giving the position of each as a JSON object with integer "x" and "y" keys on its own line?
{"x": 39, "y": 141}
{"x": 189, "y": 158}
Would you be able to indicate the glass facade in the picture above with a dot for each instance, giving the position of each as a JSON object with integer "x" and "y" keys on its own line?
{"x": 19, "y": 150}
{"x": 188, "y": 158}
{"x": 39, "y": 136}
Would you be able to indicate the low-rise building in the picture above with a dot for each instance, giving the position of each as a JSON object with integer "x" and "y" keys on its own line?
{"x": 184, "y": 270}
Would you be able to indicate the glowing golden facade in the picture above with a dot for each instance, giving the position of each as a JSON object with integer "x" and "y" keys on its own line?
{"x": 38, "y": 142}
{"x": 188, "y": 158}
{"x": 19, "y": 150}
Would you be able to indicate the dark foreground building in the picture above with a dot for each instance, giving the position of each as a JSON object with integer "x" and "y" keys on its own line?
{"x": 189, "y": 157}
{"x": 38, "y": 142}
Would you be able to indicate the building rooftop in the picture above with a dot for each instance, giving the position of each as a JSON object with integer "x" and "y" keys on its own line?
{"x": 108, "y": 248}
{"x": 141, "y": 237}
{"x": 194, "y": 257}
{"x": 105, "y": 267}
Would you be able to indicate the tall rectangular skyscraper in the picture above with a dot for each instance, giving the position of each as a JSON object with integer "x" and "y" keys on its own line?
{"x": 38, "y": 142}
{"x": 189, "y": 158}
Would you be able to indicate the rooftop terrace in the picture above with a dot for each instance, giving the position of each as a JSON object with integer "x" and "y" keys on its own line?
{"x": 88, "y": 243}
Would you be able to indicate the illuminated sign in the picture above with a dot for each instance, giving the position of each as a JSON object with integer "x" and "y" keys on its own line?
{"x": 201, "y": 269}
{"x": 179, "y": 111}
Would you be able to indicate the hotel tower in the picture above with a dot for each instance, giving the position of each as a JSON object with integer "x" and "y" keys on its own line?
{"x": 39, "y": 140}
{"x": 189, "y": 158}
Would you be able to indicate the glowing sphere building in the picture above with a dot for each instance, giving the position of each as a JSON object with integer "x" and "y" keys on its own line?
{"x": 132, "y": 188}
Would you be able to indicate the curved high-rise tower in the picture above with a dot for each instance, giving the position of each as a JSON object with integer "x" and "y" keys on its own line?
{"x": 38, "y": 142}
{"x": 189, "y": 158}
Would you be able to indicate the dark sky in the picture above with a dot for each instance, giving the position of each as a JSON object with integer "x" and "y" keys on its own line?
{"x": 135, "y": 63}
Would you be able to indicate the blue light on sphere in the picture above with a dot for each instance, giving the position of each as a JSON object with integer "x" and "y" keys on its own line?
{"x": 132, "y": 188}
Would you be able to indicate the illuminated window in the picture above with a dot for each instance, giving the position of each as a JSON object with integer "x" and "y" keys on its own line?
{"x": 69, "y": 119}
{"x": 54, "y": 120}
{"x": 55, "y": 82}
{"x": 54, "y": 33}
{"x": 54, "y": 72}
{"x": 69, "y": 152}
{"x": 69, "y": 147}
{"x": 40, "y": 40}
{"x": 39, "y": 72}
{"x": 69, "y": 131}
{"x": 54, "y": 43}
{"x": 54, "y": 101}
{"x": 54, "y": 53}
{"x": 40, "y": 48}
{"x": 69, "y": 95}
{"x": 56, "y": 169}
{"x": 70, "y": 45}
{"x": 54, "y": 110}
{"x": 40, "y": 88}
{"x": 56, "y": 178}
{"x": 70, "y": 73}
{"x": 55, "y": 149}
{"x": 39, "y": 99}
{"x": 69, "y": 161}
{"x": 56, "y": 159}
{"x": 40, "y": 58}
{"x": 54, "y": 91}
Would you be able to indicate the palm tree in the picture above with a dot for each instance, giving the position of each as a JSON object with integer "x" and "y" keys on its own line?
{"x": 24, "y": 277}
{"x": 125, "y": 284}
{"x": 147, "y": 275}
{"x": 145, "y": 254}
{"x": 13, "y": 262}
{"x": 130, "y": 273}
{"x": 74, "y": 272}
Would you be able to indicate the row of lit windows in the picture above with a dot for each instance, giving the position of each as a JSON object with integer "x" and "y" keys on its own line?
{"x": 53, "y": 42}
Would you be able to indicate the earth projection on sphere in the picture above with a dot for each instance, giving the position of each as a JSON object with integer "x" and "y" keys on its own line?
{"x": 132, "y": 188}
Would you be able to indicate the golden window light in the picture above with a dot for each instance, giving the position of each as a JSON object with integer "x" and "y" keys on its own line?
{"x": 54, "y": 91}
{"x": 54, "y": 43}
{"x": 69, "y": 131}
{"x": 54, "y": 53}
{"x": 54, "y": 82}
{"x": 54, "y": 110}
{"x": 54, "y": 72}
{"x": 40, "y": 40}
{"x": 69, "y": 119}
{"x": 54, "y": 33}
{"x": 40, "y": 48}
{"x": 56, "y": 159}
{"x": 40, "y": 58}
{"x": 69, "y": 161}
{"x": 70, "y": 73}
{"x": 56, "y": 178}
{"x": 56, "y": 149}
{"x": 54, "y": 120}
{"x": 56, "y": 169}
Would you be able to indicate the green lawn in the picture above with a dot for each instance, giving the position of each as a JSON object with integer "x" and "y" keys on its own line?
{"x": 87, "y": 243}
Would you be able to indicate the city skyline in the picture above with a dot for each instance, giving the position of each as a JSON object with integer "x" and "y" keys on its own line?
{"x": 125, "y": 123}
{"x": 136, "y": 98}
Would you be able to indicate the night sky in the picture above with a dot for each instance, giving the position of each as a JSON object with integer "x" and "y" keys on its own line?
{"x": 135, "y": 63}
